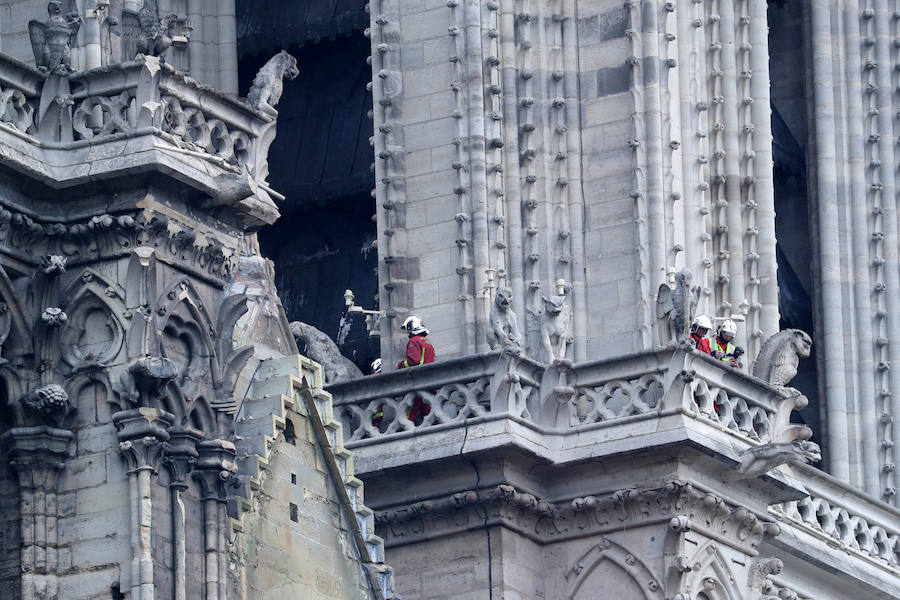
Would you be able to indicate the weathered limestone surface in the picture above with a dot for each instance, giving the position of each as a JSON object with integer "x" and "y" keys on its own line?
{"x": 147, "y": 365}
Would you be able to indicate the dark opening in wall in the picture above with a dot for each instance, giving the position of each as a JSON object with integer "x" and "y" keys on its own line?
{"x": 294, "y": 514}
{"x": 115, "y": 593}
{"x": 290, "y": 435}
{"x": 793, "y": 220}
{"x": 320, "y": 160}
{"x": 294, "y": 478}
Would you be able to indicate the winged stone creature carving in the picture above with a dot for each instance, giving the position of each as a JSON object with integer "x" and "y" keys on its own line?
{"x": 675, "y": 307}
{"x": 52, "y": 41}
{"x": 780, "y": 356}
{"x": 145, "y": 32}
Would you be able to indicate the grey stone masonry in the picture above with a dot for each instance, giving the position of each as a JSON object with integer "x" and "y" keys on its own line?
{"x": 136, "y": 321}
{"x": 590, "y": 150}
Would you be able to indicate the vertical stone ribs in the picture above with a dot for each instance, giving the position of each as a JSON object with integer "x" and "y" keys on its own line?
{"x": 854, "y": 47}
{"x": 879, "y": 63}
{"x": 703, "y": 166}
{"x": 389, "y": 192}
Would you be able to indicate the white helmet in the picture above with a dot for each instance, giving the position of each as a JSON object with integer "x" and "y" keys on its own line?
{"x": 728, "y": 326}
{"x": 413, "y": 325}
{"x": 376, "y": 366}
{"x": 701, "y": 322}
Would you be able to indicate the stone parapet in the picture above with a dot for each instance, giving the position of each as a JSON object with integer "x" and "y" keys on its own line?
{"x": 138, "y": 116}
{"x": 569, "y": 452}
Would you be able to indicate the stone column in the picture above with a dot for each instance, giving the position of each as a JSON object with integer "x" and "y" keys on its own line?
{"x": 213, "y": 470}
{"x": 142, "y": 434}
{"x": 38, "y": 455}
{"x": 180, "y": 457}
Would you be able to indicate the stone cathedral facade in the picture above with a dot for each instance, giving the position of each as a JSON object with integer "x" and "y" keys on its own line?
{"x": 559, "y": 185}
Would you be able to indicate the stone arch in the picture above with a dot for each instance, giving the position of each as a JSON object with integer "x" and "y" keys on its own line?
{"x": 188, "y": 334}
{"x": 14, "y": 387}
{"x": 15, "y": 331}
{"x": 202, "y": 416}
{"x": 636, "y": 575}
{"x": 712, "y": 578}
{"x": 92, "y": 399}
{"x": 93, "y": 333}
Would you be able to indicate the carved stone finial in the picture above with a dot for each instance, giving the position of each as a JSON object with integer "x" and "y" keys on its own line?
{"x": 54, "y": 317}
{"x": 53, "y": 264}
{"x": 504, "y": 330}
{"x": 780, "y": 356}
{"x": 53, "y": 40}
{"x": 267, "y": 85}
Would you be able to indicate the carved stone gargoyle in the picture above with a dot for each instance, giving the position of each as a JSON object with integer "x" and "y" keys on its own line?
{"x": 146, "y": 32}
{"x": 504, "y": 329}
{"x": 265, "y": 92}
{"x": 760, "y": 459}
{"x": 777, "y": 365}
{"x": 323, "y": 350}
{"x": 675, "y": 307}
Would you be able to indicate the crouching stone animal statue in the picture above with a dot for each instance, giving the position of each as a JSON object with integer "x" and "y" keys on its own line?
{"x": 555, "y": 331}
{"x": 780, "y": 356}
{"x": 268, "y": 85}
{"x": 504, "y": 331}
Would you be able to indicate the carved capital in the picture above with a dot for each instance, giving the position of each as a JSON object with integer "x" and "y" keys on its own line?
{"x": 215, "y": 468}
{"x": 181, "y": 454}
{"x": 142, "y": 434}
{"x": 38, "y": 454}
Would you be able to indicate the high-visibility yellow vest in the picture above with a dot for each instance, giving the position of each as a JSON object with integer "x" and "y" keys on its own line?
{"x": 728, "y": 349}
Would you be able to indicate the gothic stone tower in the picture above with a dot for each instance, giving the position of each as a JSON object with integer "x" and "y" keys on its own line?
{"x": 162, "y": 438}
{"x": 593, "y": 153}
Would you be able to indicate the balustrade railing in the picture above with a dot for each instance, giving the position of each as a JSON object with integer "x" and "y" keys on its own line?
{"x": 133, "y": 98}
{"x": 846, "y": 517}
{"x": 560, "y": 396}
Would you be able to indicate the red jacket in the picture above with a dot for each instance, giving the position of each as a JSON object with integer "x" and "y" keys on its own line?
{"x": 419, "y": 351}
{"x": 702, "y": 344}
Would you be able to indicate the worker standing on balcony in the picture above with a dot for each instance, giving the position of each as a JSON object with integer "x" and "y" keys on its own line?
{"x": 699, "y": 332}
{"x": 723, "y": 349}
{"x": 419, "y": 351}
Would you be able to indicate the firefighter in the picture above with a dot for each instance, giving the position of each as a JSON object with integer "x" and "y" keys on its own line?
{"x": 723, "y": 349}
{"x": 699, "y": 332}
{"x": 419, "y": 351}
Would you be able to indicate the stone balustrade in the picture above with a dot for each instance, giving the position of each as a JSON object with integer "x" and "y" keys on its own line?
{"x": 842, "y": 516}
{"x": 580, "y": 410}
{"x": 133, "y": 117}
{"x": 562, "y": 396}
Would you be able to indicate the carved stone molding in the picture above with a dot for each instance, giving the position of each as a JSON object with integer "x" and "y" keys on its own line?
{"x": 51, "y": 244}
{"x": 544, "y": 521}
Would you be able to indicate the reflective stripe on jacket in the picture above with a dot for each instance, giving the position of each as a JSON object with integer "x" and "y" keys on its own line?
{"x": 727, "y": 350}
{"x": 419, "y": 351}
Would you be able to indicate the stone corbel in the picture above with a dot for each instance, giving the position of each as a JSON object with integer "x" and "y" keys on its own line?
{"x": 180, "y": 457}
{"x": 509, "y": 386}
{"x": 214, "y": 470}
{"x": 38, "y": 455}
{"x": 142, "y": 439}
